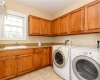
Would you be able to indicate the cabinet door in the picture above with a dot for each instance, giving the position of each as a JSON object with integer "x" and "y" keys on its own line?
{"x": 25, "y": 63}
{"x": 46, "y": 27}
{"x": 45, "y": 57}
{"x": 1, "y": 68}
{"x": 64, "y": 25}
{"x": 10, "y": 66}
{"x": 50, "y": 54}
{"x": 35, "y": 25}
{"x": 92, "y": 17}
{"x": 37, "y": 60}
{"x": 77, "y": 21}
{"x": 56, "y": 26}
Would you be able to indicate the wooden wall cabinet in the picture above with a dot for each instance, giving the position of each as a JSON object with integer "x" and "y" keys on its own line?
{"x": 8, "y": 67}
{"x": 77, "y": 21}
{"x": 83, "y": 20}
{"x": 46, "y": 28}
{"x": 56, "y": 26}
{"x": 92, "y": 17}
{"x": 64, "y": 25}
{"x": 38, "y": 26}
{"x": 35, "y": 25}
{"x": 25, "y": 63}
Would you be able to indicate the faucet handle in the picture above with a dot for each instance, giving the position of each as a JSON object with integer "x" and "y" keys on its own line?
{"x": 16, "y": 44}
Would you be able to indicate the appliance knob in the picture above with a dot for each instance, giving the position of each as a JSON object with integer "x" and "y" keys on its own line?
{"x": 85, "y": 53}
{"x": 59, "y": 48}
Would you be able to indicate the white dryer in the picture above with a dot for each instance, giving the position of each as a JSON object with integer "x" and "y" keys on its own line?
{"x": 61, "y": 60}
{"x": 85, "y": 63}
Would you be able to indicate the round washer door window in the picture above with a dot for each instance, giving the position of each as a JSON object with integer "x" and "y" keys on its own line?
{"x": 86, "y": 68}
{"x": 59, "y": 59}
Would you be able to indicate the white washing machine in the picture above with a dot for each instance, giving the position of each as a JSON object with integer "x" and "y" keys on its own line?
{"x": 61, "y": 60}
{"x": 85, "y": 63}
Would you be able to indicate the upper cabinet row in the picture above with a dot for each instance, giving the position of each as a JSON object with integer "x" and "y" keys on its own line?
{"x": 83, "y": 20}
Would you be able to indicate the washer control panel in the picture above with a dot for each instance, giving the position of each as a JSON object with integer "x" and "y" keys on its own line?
{"x": 89, "y": 54}
{"x": 59, "y": 48}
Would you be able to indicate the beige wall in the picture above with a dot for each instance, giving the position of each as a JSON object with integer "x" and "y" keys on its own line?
{"x": 81, "y": 40}
{"x": 76, "y": 4}
{"x": 19, "y": 7}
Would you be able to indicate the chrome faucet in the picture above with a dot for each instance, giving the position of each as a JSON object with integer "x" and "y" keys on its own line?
{"x": 16, "y": 44}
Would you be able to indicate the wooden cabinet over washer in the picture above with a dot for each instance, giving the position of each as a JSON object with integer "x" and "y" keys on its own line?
{"x": 64, "y": 25}
{"x": 77, "y": 21}
{"x": 56, "y": 26}
{"x": 92, "y": 17}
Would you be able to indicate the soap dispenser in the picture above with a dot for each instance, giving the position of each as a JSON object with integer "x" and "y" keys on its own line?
{"x": 39, "y": 43}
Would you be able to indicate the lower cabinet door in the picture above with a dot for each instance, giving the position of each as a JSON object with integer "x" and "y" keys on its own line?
{"x": 50, "y": 54}
{"x": 25, "y": 63}
{"x": 1, "y": 68}
{"x": 8, "y": 67}
{"x": 45, "y": 57}
{"x": 37, "y": 60}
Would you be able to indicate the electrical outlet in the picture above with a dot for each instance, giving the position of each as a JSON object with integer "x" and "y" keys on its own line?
{"x": 71, "y": 40}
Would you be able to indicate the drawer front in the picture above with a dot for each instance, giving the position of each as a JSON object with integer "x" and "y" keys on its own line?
{"x": 15, "y": 52}
{"x": 37, "y": 50}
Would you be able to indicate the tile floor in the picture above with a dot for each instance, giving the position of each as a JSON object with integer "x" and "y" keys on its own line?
{"x": 46, "y": 73}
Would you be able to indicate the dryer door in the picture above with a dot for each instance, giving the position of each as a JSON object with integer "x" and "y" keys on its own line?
{"x": 59, "y": 59}
{"x": 86, "y": 68}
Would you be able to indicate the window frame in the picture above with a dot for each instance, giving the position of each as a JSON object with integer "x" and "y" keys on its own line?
{"x": 24, "y": 25}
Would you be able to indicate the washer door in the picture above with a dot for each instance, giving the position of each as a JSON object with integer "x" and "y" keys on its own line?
{"x": 86, "y": 68}
{"x": 59, "y": 59}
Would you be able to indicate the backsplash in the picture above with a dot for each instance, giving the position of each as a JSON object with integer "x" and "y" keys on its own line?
{"x": 79, "y": 40}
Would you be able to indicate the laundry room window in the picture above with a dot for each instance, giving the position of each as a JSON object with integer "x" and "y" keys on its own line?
{"x": 14, "y": 26}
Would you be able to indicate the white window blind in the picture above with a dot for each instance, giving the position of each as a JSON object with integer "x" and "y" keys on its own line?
{"x": 14, "y": 26}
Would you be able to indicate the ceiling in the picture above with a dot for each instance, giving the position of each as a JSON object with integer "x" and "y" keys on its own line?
{"x": 48, "y": 6}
